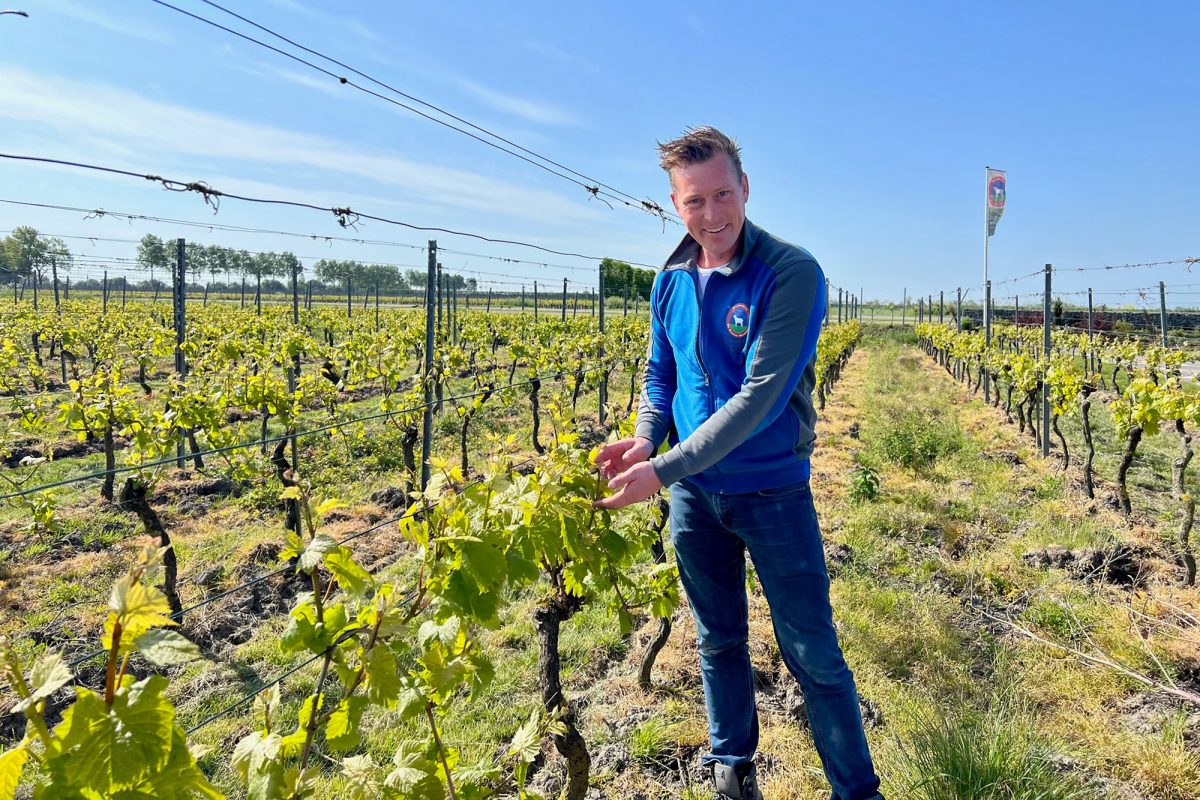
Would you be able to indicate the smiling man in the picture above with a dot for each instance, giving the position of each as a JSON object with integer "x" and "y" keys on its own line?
{"x": 735, "y": 317}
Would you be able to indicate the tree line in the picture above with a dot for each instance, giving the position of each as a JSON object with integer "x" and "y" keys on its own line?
{"x": 620, "y": 277}
{"x": 26, "y": 254}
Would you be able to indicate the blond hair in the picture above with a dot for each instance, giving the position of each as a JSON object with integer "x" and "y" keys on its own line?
{"x": 698, "y": 145}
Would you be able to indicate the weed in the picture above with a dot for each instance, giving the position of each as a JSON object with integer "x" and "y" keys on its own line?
{"x": 864, "y": 484}
{"x": 917, "y": 440}
{"x": 992, "y": 756}
{"x": 652, "y": 740}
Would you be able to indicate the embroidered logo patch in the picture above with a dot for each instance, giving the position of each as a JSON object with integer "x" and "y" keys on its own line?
{"x": 737, "y": 321}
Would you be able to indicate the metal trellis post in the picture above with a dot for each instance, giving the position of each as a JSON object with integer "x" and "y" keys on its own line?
{"x": 427, "y": 374}
{"x": 1045, "y": 364}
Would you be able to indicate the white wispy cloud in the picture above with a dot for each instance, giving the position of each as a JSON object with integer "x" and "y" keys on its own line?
{"x": 109, "y": 19}
{"x": 84, "y": 118}
{"x": 525, "y": 108}
{"x": 327, "y": 20}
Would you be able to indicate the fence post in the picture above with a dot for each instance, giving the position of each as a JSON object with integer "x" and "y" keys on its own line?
{"x": 958, "y": 310}
{"x": 1162, "y": 310}
{"x": 920, "y": 310}
{"x": 522, "y": 298}
{"x": 67, "y": 289}
{"x": 439, "y": 290}
{"x": 180, "y": 308}
{"x": 427, "y": 415}
{"x": 1045, "y": 364}
{"x": 489, "y": 301}
{"x": 625, "y": 302}
{"x": 942, "y": 307}
{"x": 825, "y": 321}
{"x": 124, "y": 283}
{"x": 243, "y": 304}
{"x": 104, "y": 292}
{"x": 535, "y": 301}
{"x": 54, "y": 273}
{"x": 1091, "y": 359}
{"x": 987, "y": 341}
{"x": 603, "y": 371}
{"x": 377, "y": 306}
{"x": 564, "y": 304}
{"x": 592, "y": 292}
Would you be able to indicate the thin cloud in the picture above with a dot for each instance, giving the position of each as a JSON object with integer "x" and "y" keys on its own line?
{"x": 112, "y": 22}
{"x": 82, "y": 113}
{"x": 327, "y": 20}
{"x": 306, "y": 80}
{"x": 530, "y": 110}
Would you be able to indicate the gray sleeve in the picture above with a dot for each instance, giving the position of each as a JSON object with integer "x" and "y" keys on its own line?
{"x": 786, "y": 342}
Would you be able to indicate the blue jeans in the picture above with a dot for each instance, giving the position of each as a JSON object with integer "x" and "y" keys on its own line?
{"x": 711, "y": 533}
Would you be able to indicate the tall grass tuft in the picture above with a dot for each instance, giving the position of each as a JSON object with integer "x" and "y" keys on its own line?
{"x": 997, "y": 755}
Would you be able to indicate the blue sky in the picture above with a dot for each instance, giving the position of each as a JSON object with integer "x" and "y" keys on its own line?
{"x": 865, "y": 129}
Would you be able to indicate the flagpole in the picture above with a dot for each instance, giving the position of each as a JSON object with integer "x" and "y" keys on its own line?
{"x": 987, "y": 307}
{"x": 985, "y": 229}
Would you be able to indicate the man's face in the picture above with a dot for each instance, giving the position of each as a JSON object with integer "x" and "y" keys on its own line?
{"x": 712, "y": 201}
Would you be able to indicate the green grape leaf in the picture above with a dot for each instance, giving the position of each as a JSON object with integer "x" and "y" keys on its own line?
{"x": 182, "y": 777}
{"x": 316, "y": 551}
{"x": 137, "y": 608}
{"x": 341, "y": 733}
{"x": 49, "y": 674}
{"x": 11, "y": 764}
{"x": 445, "y": 632}
{"x": 521, "y": 570}
{"x": 527, "y": 741}
{"x": 443, "y": 672}
{"x": 293, "y": 549}
{"x": 411, "y": 702}
{"x": 626, "y": 621}
{"x": 415, "y": 775}
{"x": 359, "y": 773}
{"x": 383, "y": 678}
{"x": 349, "y": 573}
{"x": 481, "y": 606}
{"x": 114, "y": 747}
{"x": 165, "y": 648}
{"x": 257, "y": 758}
{"x": 485, "y": 563}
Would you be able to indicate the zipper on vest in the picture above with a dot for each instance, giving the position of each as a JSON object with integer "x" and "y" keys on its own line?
{"x": 699, "y": 325}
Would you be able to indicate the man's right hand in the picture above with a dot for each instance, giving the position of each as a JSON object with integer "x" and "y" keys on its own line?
{"x": 617, "y": 457}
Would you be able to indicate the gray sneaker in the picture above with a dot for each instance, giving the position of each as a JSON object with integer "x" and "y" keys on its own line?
{"x": 730, "y": 787}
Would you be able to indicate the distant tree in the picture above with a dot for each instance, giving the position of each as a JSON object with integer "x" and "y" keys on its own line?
{"x": 195, "y": 258}
{"x": 262, "y": 265}
{"x": 152, "y": 255}
{"x": 59, "y": 255}
{"x": 334, "y": 272}
{"x": 26, "y": 252}
{"x": 288, "y": 264}
{"x": 216, "y": 258}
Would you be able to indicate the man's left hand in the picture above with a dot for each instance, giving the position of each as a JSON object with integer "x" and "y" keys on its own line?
{"x": 634, "y": 485}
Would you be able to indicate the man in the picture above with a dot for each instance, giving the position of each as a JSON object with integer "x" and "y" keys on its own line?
{"x": 735, "y": 316}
